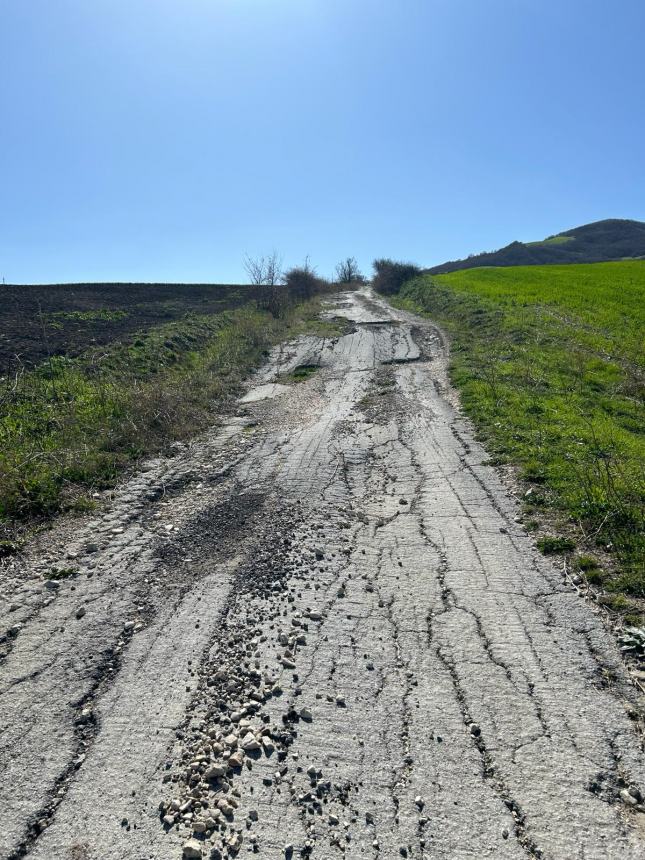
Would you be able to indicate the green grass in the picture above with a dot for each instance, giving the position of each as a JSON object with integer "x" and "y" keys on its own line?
{"x": 553, "y": 240}
{"x": 549, "y": 362}
{"x": 550, "y": 545}
{"x": 58, "y": 573}
{"x": 75, "y": 424}
{"x": 586, "y": 563}
{"x": 330, "y": 328}
{"x": 304, "y": 372}
{"x": 107, "y": 314}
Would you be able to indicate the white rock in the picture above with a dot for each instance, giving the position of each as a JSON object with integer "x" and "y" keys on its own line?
{"x": 628, "y": 798}
{"x": 250, "y": 742}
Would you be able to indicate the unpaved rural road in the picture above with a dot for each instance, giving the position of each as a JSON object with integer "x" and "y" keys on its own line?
{"x": 317, "y": 631}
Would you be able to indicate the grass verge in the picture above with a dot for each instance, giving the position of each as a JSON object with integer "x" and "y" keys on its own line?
{"x": 549, "y": 364}
{"x": 73, "y": 424}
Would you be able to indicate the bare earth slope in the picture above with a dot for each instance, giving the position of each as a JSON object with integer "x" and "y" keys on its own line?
{"x": 319, "y": 632}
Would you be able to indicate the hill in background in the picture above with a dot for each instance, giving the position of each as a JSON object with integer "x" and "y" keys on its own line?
{"x": 602, "y": 241}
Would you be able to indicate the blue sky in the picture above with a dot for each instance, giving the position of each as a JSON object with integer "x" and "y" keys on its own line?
{"x": 164, "y": 139}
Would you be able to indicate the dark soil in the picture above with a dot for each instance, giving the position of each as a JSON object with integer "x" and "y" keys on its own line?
{"x": 65, "y": 319}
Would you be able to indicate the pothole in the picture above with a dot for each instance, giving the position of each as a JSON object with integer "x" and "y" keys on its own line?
{"x": 302, "y": 372}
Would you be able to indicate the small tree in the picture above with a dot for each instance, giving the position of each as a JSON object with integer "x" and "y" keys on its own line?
{"x": 274, "y": 298}
{"x": 264, "y": 270}
{"x": 254, "y": 268}
{"x": 266, "y": 273}
{"x": 273, "y": 269}
{"x": 347, "y": 272}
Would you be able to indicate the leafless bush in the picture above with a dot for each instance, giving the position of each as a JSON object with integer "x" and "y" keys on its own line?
{"x": 347, "y": 272}
{"x": 278, "y": 290}
{"x": 275, "y": 299}
{"x": 264, "y": 270}
{"x": 389, "y": 275}
{"x": 303, "y": 283}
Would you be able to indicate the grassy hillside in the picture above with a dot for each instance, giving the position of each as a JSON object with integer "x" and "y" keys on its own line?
{"x": 549, "y": 361}
{"x": 613, "y": 239}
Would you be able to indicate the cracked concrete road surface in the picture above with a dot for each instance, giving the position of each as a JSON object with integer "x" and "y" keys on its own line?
{"x": 318, "y": 631}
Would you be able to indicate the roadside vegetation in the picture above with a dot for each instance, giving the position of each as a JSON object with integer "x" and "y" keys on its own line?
{"x": 549, "y": 363}
{"x": 70, "y": 425}
{"x": 38, "y": 321}
{"x": 390, "y": 276}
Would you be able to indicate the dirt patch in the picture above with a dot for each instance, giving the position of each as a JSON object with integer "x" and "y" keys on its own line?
{"x": 37, "y": 321}
{"x": 380, "y": 402}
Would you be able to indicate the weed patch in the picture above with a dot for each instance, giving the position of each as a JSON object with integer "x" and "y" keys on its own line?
{"x": 555, "y": 545}
{"x": 58, "y": 573}
{"x": 586, "y": 563}
{"x": 106, "y": 314}
{"x": 73, "y": 424}
{"x": 304, "y": 372}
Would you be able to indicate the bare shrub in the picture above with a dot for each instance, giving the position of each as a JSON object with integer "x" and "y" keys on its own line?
{"x": 347, "y": 272}
{"x": 275, "y": 299}
{"x": 389, "y": 275}
{"x": 264, "y": 270}
{"x": 303, "y": 283}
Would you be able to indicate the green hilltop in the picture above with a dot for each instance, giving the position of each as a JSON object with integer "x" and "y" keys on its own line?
{"x": 601, "y": 241}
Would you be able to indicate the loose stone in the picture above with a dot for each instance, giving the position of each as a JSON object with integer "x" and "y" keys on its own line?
{"x": 193, "y": 850}
{"x": 250, "y": 743}
{"x": 628, "y": 798}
